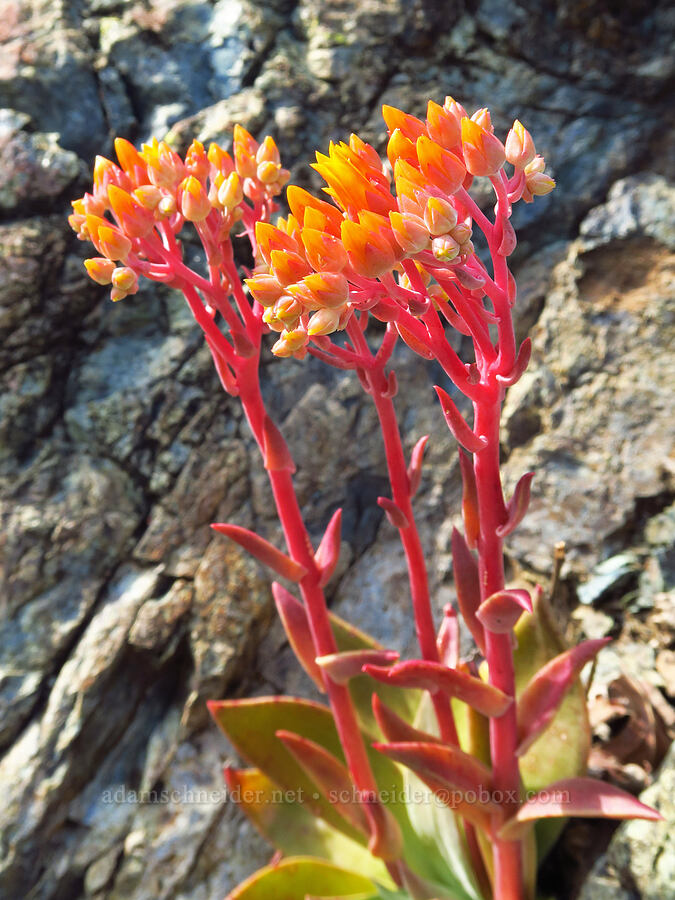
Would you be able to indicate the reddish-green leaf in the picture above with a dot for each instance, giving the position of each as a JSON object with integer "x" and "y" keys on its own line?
{"x": 582, "y": 797}
{"x": 467, "y": 585}
{"x": 500, "y": 612}
{"x": 342, "y": 667}
{"x": 432, "y": 676}
{"x": 539, "y": 702}
{"x": 263, "y": 551}
{"x": 329, "y": 775}
{"x": 469, "y": 499}
{"x": 275, "y": 449}
{"x": 296, "y": 625}
{"x": 397, "y": 730}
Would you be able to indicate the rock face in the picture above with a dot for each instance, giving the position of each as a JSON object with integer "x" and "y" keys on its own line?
{"x": 121, "y": 614}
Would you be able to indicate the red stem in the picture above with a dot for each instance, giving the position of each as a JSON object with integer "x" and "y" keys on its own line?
{"x": 508, "y": 872}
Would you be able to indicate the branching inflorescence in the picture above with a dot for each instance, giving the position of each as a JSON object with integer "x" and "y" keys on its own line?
{"x": 421, "y": 778}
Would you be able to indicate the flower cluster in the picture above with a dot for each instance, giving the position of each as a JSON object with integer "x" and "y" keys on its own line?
{"x": 319, "y": 265}
{"x": 153, "y": 192}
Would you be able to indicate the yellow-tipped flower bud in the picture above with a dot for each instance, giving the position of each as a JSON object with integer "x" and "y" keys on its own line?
{"x": 148, "y": 196}
{"x": 483, "y": 152}
{"x": 194, "y": 202}
{"x": 167, "y": 206}
{"x": 519, "y": 146}
{"x": 290, "y": 342}
{"x": 410, "y": 231}
{"x": 100, "y": 269}
{"x": 268, "y": 172}
{"x": 440, "y": 216}
{"x": 230, "y": 192}
{"x": 196, "y": 161}
{"x": 539, "y": 184}
{"x": 325, "y": 321}
{"x": 267, "y": 152}
{"x": 461, "y": 233}
{"x": 445, "y": 249}
{"x": 125, "y": 279}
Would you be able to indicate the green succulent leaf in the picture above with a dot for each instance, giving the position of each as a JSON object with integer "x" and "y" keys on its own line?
{"x": 289, "y": 827}
{"x": 563, "y": 748}
{"x": 297, "y": 877}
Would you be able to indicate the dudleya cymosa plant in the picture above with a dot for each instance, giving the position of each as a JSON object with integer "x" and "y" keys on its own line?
{"x": 426, "y": 778}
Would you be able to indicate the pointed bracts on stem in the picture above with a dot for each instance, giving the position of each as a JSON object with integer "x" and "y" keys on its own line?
{"x": 296, "y": 625}
{"x": 540, "y": 700}
{"x": 396, "y": 729}
{"x": 394, "y": 513}
{"x": 328, "y": 551}
{"x": 386, "y": 839}
{"x": 415, "y": 467}
{"x": 500, "y": 611}
{"x": 275, "y": 449}
{"x": 582, "y": 797}
{"x": 263, "y": 551}
{"x": 517, "y": 506}
{"x": 342, "y": 667}
{"x": 458, "y": 425}
{"x": 435, "y": 677}
{"x": 521, "y": 363}
{"x": 467, "y": 585}
{"x": 330, "y": 776}
{"x": 447, "y": 641}
{"x": 469, "y": 500}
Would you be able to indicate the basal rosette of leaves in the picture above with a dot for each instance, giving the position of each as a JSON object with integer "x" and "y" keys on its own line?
{"x": 434, "y": 777}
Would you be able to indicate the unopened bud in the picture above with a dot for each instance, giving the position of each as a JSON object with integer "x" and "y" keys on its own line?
{"x": 461, "y": 232}
{"x": 444, "y": 248}
{"x": 100, "y": 269}
{"x": 194, "y": 202}
{"x": 410, "y": 231}
{"x": 519, "y": 146}
{"x": 230, "y": 192}
{"x": 267, "y": 152}
{"x": 324, "y": 321}
{"x": 125, "y": 279}
{"x": 167, "y": 206}
{"x": 268, "y": 172}
{"x": 148, "y": 196}
{"x": 439, "y": 216}
{"x": 539, "y": 184}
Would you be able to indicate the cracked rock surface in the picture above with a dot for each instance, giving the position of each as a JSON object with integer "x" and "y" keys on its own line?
{"x": 120, "y": 612}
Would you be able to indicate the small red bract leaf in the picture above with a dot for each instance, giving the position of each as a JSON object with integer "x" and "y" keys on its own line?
{"x": 521, "y": 363}
{"x": 469, "y": 499}
{"x": 296, "y": 625}
{"x": 342, "y": 667}
{"x": 394, "y": 728}
{"x": 434, "y": 677}
{"x": 394, "y": 513}
{"x": 275, "y": 449}
{"x": 458, "y": 425}
{"x": 467, "y": 585}
{"x": 517, "y": 506}
{"x": 500, "y": 612}
{"x": 328, "y": 551}
{"x": 415, "y": 467}
{"x": 263, "y": 551}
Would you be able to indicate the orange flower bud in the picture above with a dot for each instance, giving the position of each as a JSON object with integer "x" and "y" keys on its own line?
{"x": 165, "y": 168}
{"x": 267, "y": 152}
{"x": 108, "y": 240}
{"x": 196, "y": 161}
{"x": 130, "y": 160}
{"x": 290, "y": 342}
{"x": 330, "y": 289}
{"x": 265, "y": 289}
{"x": 167, "y": 206}
{"x": 325, "y": 321}
{"x": 440, "y": 215}
{"x": 409, "y": 126}
{"x": 455, "y": 109}
{"x": 268, "y": 172}
{"x": 539, "y": 184}
{"x": 288, "y": 267}
{"x": 288, "y": 310}
{"x": 365, "y": 151}
{"x": 410, "y": 232}
{"x": 125, "y": 279}
{"x": 442, "y": 167}
{"x": 220, "y": 159}
{"x": 483, "y": 152}
{"x": 230, "y": 192}
{"x": 133, "y": 218}
{"x": 100, "y": 269}
{"x": 245, "y": 149}
{"x": 442, "y": 126}
{"x": 301, "y": 202}
{"x": 148, "y": 196}
{"x": 538, "y": 164}
{"x": 482, "y": 117}
{"x": 401, "y": 147}
{"x": 194, "y": 202}
{"x": 519, "y": 146}
{"x": 369, "y": 254}
{"x": 269, "y": 238}
{"x": 324, "y": 252}
{"x": 270, "y": 319}
{"x": 461, "y": 232}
